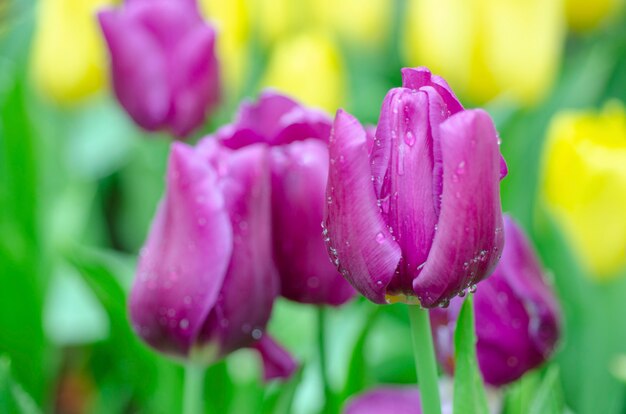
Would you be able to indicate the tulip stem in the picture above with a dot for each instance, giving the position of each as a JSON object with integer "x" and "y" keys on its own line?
{"x": 425, "y": 364}
{"x": 329, "y": 397}
{"x": 193, "y": 402}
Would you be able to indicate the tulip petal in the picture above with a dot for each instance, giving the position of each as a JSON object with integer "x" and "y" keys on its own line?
{"x": 142, "y": 89}
{"x": 469, "y": 239}
{"x": 406, "y": 194}
{"x": 196, "y": 81}
{"x": 257, "y": 122}
{"x": 355, "y": 228}
{"x": 277, "y": 362}
{"x": 386, "y": 401}
{"x": 184, "y": 260}
{"x": 416, "y": 78}
{"x": 539, "y": 301}
{"x": 251, "y": 284}
{"x": 299, "y": 175}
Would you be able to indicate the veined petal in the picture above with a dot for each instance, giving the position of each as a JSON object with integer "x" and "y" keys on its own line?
{"x": 251, "y": 283}
{"x": 184, "y": 261}
{"x": 405, "y": 197}
{"x": 277, "y": 362}
{"x": 469, "y": 239}
{"x": 142, "y": 89}
{"x": 416, "y": 78}
{"x": 359, "y": 241}
{"x": 299, "y": 175}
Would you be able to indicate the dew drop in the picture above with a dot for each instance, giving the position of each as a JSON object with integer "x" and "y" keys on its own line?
{"x": 256, "y": 334}
{"x": 472, "y": 288}
{"x": 462, "y": 293}
{"x": 329, "y": 200}
{"x": 183, "y": 324}
{"x": 380, "y": 237}
{"x": 460, "y": 169}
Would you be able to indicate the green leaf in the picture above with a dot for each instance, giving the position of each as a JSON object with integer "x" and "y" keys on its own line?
{"x": 13, "y": 398}
{"x": 22, "y": 251}
{"x": 469, "y": 393}
{"x": 548, "y": 398}
{"x": 279, "y": 399}
{"x": 139, "y": 374}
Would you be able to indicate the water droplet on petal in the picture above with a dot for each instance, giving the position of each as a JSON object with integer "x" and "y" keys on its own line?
{"x": 380, "y": 237}
{"x": 184, "y": 324}
{"x": 257, "y": 334}
{"x": 473, "y": 288}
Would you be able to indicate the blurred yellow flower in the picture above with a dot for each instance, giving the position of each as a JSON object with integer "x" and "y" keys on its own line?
{"x": 309, "y": 67}
{"x": 68, "y": 58}
{"x": 488, "y": 48}
{"x": 586, "y": 15}
{"x": 363, "y": 23}
{"x": 584, "y": 185}
{"x": 232, "y": 21}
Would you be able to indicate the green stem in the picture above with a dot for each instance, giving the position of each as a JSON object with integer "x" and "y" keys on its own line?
{"x": 193, "y": 402}
{"x": 425, "y": 364}
{"x": 329, "y": 397}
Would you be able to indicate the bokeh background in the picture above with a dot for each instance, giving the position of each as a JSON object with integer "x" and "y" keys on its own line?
{"x": 79, "y": 183}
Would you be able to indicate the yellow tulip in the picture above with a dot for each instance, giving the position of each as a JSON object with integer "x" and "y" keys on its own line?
{"x": 584, "y": 185}
{"x": 488, "y": 48}
{"x": 364, "y": 23}
{"x": 232, "y": 21}
{"x": 586, "y": 15}
{"x": 69, "y": 60}
{"x": 275, "y": 19}
{"x": 310, "y": 68}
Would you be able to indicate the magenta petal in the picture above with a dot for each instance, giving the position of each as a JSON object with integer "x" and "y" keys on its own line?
{"x": 416, "y": 78}
{"x": 469, "y": 238}
{"x": 257, "y": 121}
{"x": 299, "y": 175}
{"x": 195, "y": 82}
{"x": 406, "y": 194}
{"x": 519, "y": 257}
{"x": 251, "y": 284}
{"x": 277, "y": 362}
{"x": 184, "y": 260}
{"x": 355, "y": 228}
{"x": 517, "y": 315}
{"x": 142, "y": 89}
{"x": 385, "y": 401}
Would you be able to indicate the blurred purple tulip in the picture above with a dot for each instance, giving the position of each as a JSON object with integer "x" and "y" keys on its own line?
{"x": 206, "y": 282}
{"x": 385, "y": 401}
{"x": 163, "y": 64}
{"x": 417, "y": 213}
{"x": 298, "y": 145}
{"x": 517, "y": 315}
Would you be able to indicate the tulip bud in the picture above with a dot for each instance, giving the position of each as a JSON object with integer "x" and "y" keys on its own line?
{"x": 419, "y": 214}
{"x": 297, "y": 137}
{"x": 386, "y": 401}
{"x": 206, "y": 282}
{"x": 584, "y": 186}
{"x": 517, "y": 315}
{"x": 163, "y": 63}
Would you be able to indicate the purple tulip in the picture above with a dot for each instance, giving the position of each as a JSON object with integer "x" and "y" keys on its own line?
{"x": 386, "y": 401}
{"x": 517, "y": 316}
{"x": 206, "y": 282}
{"x": 298, "y": 145}
{"x": 165, "y": 73}
{"x": 418, "y": 214}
